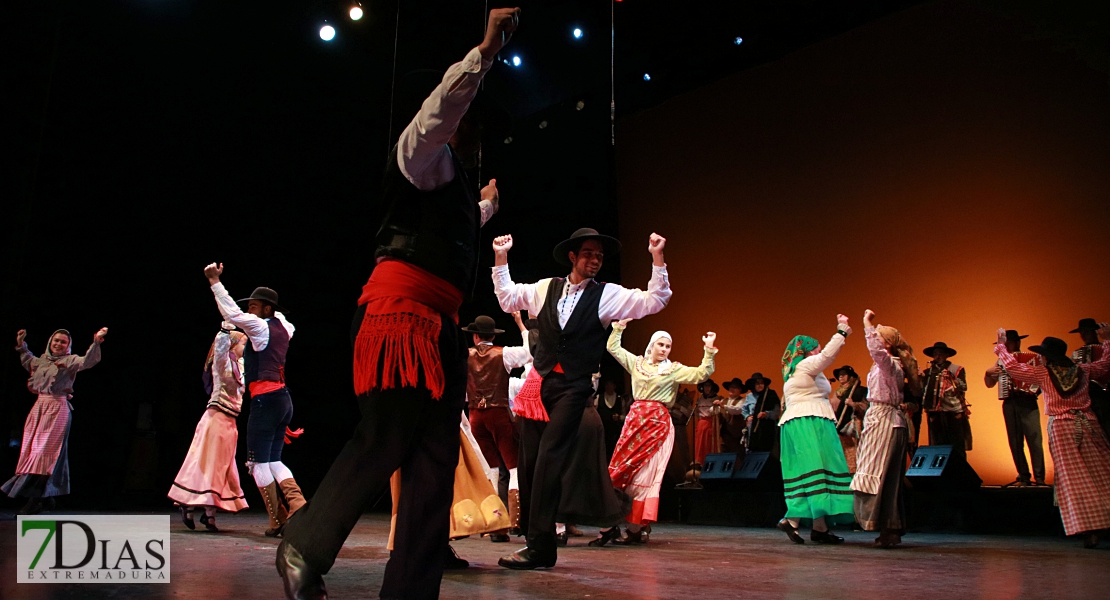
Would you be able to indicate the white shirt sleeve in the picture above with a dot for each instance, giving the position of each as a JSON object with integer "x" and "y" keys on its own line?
{"x": 813, "y": 365}
{"x": 515, "y": 356}
{"x": 622, "y": 303}
{"x": 255, "y": 327}
{"x": 422, "y": 152}
{"x": 518, "y": 296}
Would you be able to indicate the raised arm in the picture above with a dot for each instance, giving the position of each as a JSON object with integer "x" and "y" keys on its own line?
{"x": 1101, "y": 367}
{"x": 817, "y": 363}
{"x": 92, "y": 355}
{"x": 624, "y": 357}
{"x": 621, "y": 303}
{"x": 254, "y": 326}
{"x": 694, "y": 375}
{"x": 25, "y": 354}
{"x": 1019, "y": 371}
{"x": 516, "y": 356}
{"x": 510, "y": 295}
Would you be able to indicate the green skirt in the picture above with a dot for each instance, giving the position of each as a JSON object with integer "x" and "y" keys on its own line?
{"x": 814, "y": 471}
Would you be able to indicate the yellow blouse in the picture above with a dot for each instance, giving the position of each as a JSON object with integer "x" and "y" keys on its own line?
{"x": 647, "y": 382}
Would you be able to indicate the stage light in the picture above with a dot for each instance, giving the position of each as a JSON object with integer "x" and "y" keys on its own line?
{"x": 509, "y": 140}
{"x": 327, "y": 33}
{"x": 581, "y": 104}
{"x": 738, "y": 41}
{"x": 647, "y": 77}
{"x": 356, "y": 13}
{"x": 577, "y": 33}
{"x": 543, "y": 124}
{"x": 516, "y": 61}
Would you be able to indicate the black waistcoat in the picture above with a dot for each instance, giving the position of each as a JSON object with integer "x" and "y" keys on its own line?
{"x": 579, "y": 346}
{"x": 269, "y": 364}
{"x": 436, "y": 231}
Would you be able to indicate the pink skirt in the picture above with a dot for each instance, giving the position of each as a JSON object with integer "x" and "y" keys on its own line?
{"x": 1082, "y": 474}
{"x": 209, "y": 476}
{"x": 44, "y": 434}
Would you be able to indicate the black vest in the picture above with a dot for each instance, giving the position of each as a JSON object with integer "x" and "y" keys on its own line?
{"x": 436, "y": 231}
{"x": 579, "y": 346}
{"x": 269, "y": 364}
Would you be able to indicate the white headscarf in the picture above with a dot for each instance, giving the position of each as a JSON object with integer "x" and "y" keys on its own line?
{"x": 647, "y": 352}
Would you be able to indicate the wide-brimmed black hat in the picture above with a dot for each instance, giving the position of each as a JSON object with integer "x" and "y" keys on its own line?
{"x": 750, "y": 383}
{"x": 264, "y": 294}
{"x": 709, "y": 384}
{"x": 610, "y": 244}
{"x": 1052, "y": 347}
{"x": 483, "y": 325}
{"x": 735, "y": 381}
{"x": 1085, "y": 325}
{"x": 845, "y": 369}
{"x": 415, "y": 86}
{"x": 931, "y": 350}
{"x": 1012, "y": 336}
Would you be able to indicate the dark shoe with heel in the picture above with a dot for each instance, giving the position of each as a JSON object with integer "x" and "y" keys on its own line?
{"x": 301, "y": 582}
{"x": 186, "y": 517}
{"x": 825, "y": 537}
{"x": 208, "y": 522}
{"x": 527, "y": 559}
{"x": 785, "y": 527}
{"x": 613, "y": 533}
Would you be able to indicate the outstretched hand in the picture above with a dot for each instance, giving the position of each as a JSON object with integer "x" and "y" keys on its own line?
{"x": 499, "y": 30}
{"x": 213, "y": 272}
{"x": 842, "y": 324}
{"x": 1002, "y": 335}
{"x": 869, "y": 318}
{"x": 656, "y": 243}
{"x": 100, "y": 335}
{"x": 20, "y": 336}
{"x": 710, "y": 339}
{"x": 490, "y": 193}
{"x": 624, "y": 322}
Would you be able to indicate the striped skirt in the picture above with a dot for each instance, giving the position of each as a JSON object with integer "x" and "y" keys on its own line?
{"x": 1082, "y": 473}
{"x": 43, "y": 467}
{"x": 815, "y": 474}
{"x": 641, "y": 457}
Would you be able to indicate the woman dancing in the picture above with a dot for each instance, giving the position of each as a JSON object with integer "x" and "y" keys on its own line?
{"x": 881, "y": 455}
{"x": 209, "y": 478}
{"x": 644, "y": 447}
{"x": 815, "y": 473}
{"x": 43, "y": 468}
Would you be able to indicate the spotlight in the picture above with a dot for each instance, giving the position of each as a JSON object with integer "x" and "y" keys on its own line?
{"x": 516, "y": 61}
{"x": 327, "y": 33}
{"x": 577, "y": 33}
{"x": 738, "y": 41}
{"x": 581, "y": 104}
{"x": 356, "y": 13}
{"x": 543, "y": 124}
{"x": 647, "y": 77}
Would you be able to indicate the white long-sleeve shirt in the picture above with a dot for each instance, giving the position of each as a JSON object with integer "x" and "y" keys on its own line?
{"x": 616, "y": 302}
{"x": 422, "y": 152}
{"x": 256, "y": 328}
{"x": 806, "y": 393}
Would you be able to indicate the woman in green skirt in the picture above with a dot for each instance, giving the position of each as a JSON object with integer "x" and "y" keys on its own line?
{"x": 814, "y": 471}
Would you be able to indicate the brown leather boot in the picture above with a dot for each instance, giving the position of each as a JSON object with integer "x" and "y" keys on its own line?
{"x": 278, "y": 515}
{"x": 293, "y": 495}
{"x": 514, "y": 509}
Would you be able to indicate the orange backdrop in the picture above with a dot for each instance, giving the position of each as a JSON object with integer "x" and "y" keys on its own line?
{"x": 946, "y": 167}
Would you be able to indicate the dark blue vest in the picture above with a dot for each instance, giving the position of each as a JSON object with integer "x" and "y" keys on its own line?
{"x": 579, "y": 346}
{"x": 269, "y": 364}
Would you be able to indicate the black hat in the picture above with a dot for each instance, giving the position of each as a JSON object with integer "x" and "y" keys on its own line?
{"x": 931, "y": 350}
{"x": 845, "y": 369}
{"x": 1085, "y": 325}
{"x": 264, "y": 294}
{"x": 415, "y": 86}
{"x": 757, "y": 375}
{"x": 709, "y": 384}
{"x": 1012, "y": 336}
{"x": 483, "y": 325}
{"x": 609, "y": 244}
{"x": 735, "y": 381}
{"x": 1052, "y": 347}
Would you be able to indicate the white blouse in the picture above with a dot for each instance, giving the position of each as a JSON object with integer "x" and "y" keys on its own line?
{"x": 806, "y": 393}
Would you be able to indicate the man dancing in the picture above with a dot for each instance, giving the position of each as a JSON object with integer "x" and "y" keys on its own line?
{"x": 410, "y": 355}
{"x": 271, "y": 406}
{"x": 574, "y": 315}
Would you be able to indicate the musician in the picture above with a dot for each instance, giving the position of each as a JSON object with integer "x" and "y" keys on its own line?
{"x": 852, "y": 404}
{"x": 944, "y": 401}
{"x": 761, "y": 410}
{"x": 731, "y": 415}
{"x": 1019, "y": 410}
{"x": 1089, "y": 352}
{"x": 707, "y": 431}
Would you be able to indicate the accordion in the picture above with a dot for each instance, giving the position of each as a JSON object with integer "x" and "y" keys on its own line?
{"x": 1006, "y": 384}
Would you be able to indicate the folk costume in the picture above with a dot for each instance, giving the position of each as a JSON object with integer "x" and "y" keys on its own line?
{"x": 209, "y": 477}
{"x": 734, "y": 429}
{"x": 43, "y": 467}
{"x": 410, "y": 356}
{"x": 707, "y": 433}
{"x": 762, "y": 433}
{"x": 612, "y": 407}
{"x": 849, "y": 418}
{"x": 1080, "y": 451}
{"x": 574, "y": 319}
{"x": 944, "y": 401}
{"x": 1022, "y": 417}
{"x": 879, "y": 503}
{"x": 648, "y": 436}
{"x": 1098, "y": 387}
{"x": 815, "y": 474}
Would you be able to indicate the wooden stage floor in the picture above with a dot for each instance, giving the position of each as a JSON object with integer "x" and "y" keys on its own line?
{"x": 681, "y": 561}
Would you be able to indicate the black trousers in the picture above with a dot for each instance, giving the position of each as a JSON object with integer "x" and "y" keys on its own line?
{"x": 949, "y": 428}
{"x": 1023, "y": 425}
{"x": 400, "y": 428}
{"x": 544, "y": 450}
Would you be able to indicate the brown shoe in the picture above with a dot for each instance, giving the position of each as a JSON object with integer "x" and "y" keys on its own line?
{"x": 292, "y": 493}
{"x": 278, "y": 515}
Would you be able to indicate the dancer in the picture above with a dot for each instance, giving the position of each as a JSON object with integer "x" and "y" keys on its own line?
{"x": 1078, "y": 445}
{"x": 43, "y": 467}
{"x": 409, "y": 353}
{"x": 271, "y": 406}
{"x": 852, "y": 407}
{"x": 944, "y": 401}
{"x": 1019, "y": 410}
{"x": 734, "y": 423}
{"x": 879, "y": 503}
{"x": 209, "y": 477}
{"x": 487, "y": 390}
{"x": 574, "y": 315}
{"x": 815, "y": 475}
{"x": 1091, "y": 351}
{"x": 707, "y": 433}
{"x": 648, "y": 435}
{"x": 761, "y": 410}
{"x": 612, "y": 407}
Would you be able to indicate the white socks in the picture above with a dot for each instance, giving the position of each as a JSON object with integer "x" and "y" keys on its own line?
{"x": 266, "y": 473}
{"x": 560, "y": 528}
{"x": 280, "y": 471}
{"x": 513, "y": 485}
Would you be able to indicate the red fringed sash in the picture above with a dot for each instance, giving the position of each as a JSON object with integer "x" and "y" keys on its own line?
{"x": 291, "y": 434}
{"x": 643, "y": 435}
{"x": 398, "y": 341}
{"x": 527, "y": 403}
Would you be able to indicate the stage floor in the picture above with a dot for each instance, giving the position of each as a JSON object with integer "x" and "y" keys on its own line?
{"x": 680, "y": 562}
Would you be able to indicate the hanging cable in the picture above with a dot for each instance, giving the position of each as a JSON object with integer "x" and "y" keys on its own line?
{"x": 613, "y": 72}
{"x": 393, "y": 81}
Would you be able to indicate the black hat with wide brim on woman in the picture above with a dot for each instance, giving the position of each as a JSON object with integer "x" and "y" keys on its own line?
{"x": 263, "y": 294}
{"x": 483, "y": 325}
{"x": 609, "y": 244}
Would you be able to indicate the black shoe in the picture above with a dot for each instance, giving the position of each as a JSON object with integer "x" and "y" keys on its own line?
{"x": 208, "y": 522}
{"x": 630, "y": 538}
{"x": 785, "y": 527}
{"x": 186, "y": 518}
{"x": 1090, "y": 540}
{"x": 516, "y": 531}
{"x": 825, "y": 537}
{"x": 605, "y": 537}
{"x": 527, "y": 559}
{"x": 301, "y": 581}
{"x": 32, "y": 507}
{"x": 561, "y": 539}
{"x": 452, "y": 562}
{"x": 499, "y": 538}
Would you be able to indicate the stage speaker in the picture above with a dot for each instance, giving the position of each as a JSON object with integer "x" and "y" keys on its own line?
{"x": 719, "y": 466}
{"x": 752, "y": 466}
{"x": 937, "y": 462}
